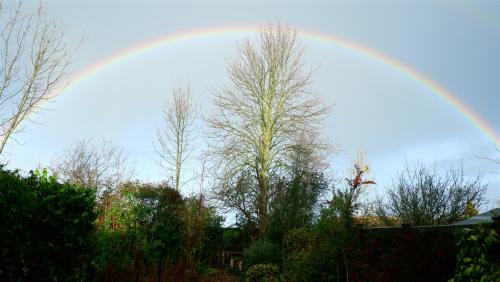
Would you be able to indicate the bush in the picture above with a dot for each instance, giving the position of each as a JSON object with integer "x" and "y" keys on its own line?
{"x": 422, "y": 196}
{"x": 301, "y": 247}
{"x": 46, "y": 228}
{"x": 320, "y": 253}
{"x": 263, "y": 273}
{"x": 262, "y": 252}
{"x": 140, "y": 235}
{"x": 473, "y": 258}
{"x": 202, "y": 234}
{"x": 235, "y": 238}
{"x": 295, "y": 202}
{"x": 114, "y": 254}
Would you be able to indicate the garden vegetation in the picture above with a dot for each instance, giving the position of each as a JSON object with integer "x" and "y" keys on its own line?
{"x": 86, "y": 219}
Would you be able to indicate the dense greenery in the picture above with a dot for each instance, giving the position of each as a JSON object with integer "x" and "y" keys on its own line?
{"x": 141, "y": 231}
{"x": 474, "y": 255}
{"x": 318, "y": 253}
{"x": 47, "y": 228}
{"x": 263, "y": 273}
{"x": 147, "y": 218}
{"x": 295, "y": 202}
{"x": 149, "y": 232}
{"x": 263, "y": 251}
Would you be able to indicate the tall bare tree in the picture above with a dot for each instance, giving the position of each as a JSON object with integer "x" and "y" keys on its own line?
{"x": 174, "y": 139}
{"x": 101, "y": 166}
{"x": 258, "y": 118}
{"x": 33, "y": 62}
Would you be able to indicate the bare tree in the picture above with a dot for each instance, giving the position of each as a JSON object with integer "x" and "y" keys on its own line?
{"x": 174, "y": 139}
{"x": 423, "y": 197}
{"x": 257, "y": 120}
{"x": 101, "y": 166}
{"x": 33, "y": 62}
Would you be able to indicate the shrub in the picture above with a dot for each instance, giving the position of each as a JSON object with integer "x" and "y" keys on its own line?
{"x": 141, "y": 232}
{"x": 301, "y": 246}
{"x": 295, "y": 202}
{"x": 473, "y": 258}
{"x": 114, "y": 254}
{"x": 262, "y": 252}
{"x": 235, "y": 238}
{"x": 46, "y": 228}
{"x": 320, "y": 253}
{"x": 202, "y": 234}
{"x": 422, "y": 196}
{"x": 263, "y": 273}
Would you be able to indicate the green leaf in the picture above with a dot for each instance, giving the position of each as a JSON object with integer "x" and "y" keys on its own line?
{"x": 467, "y": 259}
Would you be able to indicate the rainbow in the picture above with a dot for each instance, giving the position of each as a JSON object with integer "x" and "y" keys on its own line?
{"x": 342, "y": 43}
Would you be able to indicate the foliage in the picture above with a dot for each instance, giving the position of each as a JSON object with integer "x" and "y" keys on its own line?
{"x": 345, "y": 203}
{"x": 329, "y": 251}
{"x": 113, "y": 252}
{"x": 203, "y": 235}
{"x": 319, "y": 253}
{"x": 294, "y": 204}
{"x": 142, "y": 228}
{"x": 473, "y": 258}
{"x": 265, "y": 169}
{"x": 236, "y": 238}
{"x": 46, "y": 228}
{"x": 149, "y": 230}
{"x": 322, "y": 251}
{"x": 301, "y": 264}
{"x": 423, "y": 197}
{"x": 262, "y": 251}
{"x": 470, "y": 210}
{"x": 212, "y": 238}
{"x": 263, "y": 273}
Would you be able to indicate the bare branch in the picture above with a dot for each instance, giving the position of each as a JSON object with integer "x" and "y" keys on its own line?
{"x": 33, "y": 62}
{"x": 101, "y": 167}
{"x": 423, "y": 197}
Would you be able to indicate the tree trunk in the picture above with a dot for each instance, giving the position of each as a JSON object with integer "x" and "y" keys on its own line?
{"x": 160, "y": 269}
{"x": 262, "y": 203}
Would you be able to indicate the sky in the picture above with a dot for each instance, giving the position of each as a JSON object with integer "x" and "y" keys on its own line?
{"x": 376, "y": 108}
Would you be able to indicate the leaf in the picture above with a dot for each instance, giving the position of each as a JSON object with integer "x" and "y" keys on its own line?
{"x": 467, "y": 259}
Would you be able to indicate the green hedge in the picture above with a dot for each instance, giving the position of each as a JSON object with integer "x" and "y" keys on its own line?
{"x": 46, "y": 228}
{"x": 393, "y": 254}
